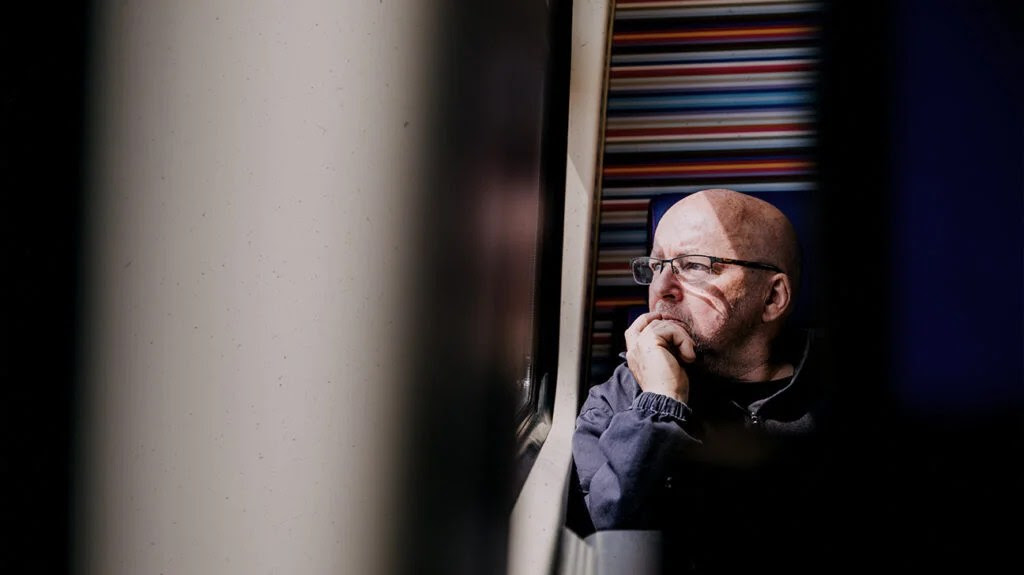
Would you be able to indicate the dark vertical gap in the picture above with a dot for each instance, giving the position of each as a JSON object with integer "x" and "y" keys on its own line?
{"x": 553, "y": 160}
{"x": 854, "y": 203}
{"x": 485, "y": 134}
{"x": 548, "y": 287}
{"x": 45, "y": 58}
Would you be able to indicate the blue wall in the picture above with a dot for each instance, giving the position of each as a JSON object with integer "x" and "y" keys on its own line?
{"x": 958, "y": 183}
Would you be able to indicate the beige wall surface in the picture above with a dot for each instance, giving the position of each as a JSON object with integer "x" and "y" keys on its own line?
{"x": 247, "y": 162}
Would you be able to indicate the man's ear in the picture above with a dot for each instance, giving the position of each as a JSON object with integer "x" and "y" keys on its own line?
{"x": 778, "y": 299}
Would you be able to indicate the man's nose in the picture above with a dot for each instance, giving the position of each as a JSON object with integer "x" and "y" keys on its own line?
{"x": 666, "y": 284}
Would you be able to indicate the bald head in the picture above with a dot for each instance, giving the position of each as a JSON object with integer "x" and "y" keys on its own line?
{"x": 733, "y": 312}
{"x": 733, "y": 224}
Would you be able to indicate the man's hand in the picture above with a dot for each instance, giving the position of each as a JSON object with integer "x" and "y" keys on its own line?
{"x": 654, "y": 349}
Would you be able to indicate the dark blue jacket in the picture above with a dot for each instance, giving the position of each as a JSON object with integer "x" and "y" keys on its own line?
{"x": 717, "y": 472}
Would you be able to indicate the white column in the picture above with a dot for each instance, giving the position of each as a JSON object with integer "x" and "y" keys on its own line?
{"x": 249, "y": 166}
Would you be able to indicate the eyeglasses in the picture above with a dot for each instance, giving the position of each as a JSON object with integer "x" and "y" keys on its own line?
{"x": 690, "y": 267}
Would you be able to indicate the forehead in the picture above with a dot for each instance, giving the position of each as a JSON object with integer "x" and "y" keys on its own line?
{"x": 691, "y": 229}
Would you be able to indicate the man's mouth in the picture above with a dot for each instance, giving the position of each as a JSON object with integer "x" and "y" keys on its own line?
{"x": 669, "y": 315}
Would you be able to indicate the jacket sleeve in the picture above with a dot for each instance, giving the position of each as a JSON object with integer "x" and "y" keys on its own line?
{"x": 625, "y": 458}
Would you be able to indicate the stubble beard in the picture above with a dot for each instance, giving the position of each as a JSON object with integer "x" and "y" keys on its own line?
{"x": 711, "y": 351}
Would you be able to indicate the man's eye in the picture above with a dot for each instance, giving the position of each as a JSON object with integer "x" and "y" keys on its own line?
{"x": 696, "y": 267}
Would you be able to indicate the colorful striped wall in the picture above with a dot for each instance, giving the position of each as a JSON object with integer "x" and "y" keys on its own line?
{"x": 701, "y": 94}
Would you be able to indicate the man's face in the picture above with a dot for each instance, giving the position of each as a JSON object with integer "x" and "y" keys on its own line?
{"x": 718, "y": 313}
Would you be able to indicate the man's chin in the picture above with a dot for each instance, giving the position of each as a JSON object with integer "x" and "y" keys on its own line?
{"x": 702, "y": 346}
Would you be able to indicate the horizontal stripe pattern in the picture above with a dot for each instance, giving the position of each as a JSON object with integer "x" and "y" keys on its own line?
{"x": 626, "y": 190}
{"x": 701, "y": 94}
{"x": 715, "y": 35}
{"x": 757, "y": 55}
{"x": 693, "y": 12}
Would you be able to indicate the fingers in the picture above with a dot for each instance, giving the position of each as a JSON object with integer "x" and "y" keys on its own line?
{"x": 656, "y": 349}
{"x": 673, "y": 336}
{"x": 667, "y": 333}
{"x": 638, "y": 326}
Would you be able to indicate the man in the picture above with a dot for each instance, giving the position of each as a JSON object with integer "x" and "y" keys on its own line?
{"x": 709, "y": 431}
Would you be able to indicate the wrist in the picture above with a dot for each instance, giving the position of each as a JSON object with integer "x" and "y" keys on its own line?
{"x": 669, "y": 390}
{"x": 652, "y": 402}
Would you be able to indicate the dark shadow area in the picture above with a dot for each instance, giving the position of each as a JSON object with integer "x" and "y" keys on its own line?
{"x": 577, "y": 518}
{"x": 921, "y": 158}
{"x": 45, "y": 57}
{"x": 489, "y": 226}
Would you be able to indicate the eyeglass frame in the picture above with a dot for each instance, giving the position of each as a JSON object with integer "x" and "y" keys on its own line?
{"x": 714, "y": 260}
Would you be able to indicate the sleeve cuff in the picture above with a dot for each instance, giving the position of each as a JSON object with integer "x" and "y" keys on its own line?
{"x": 661, "y": 404}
